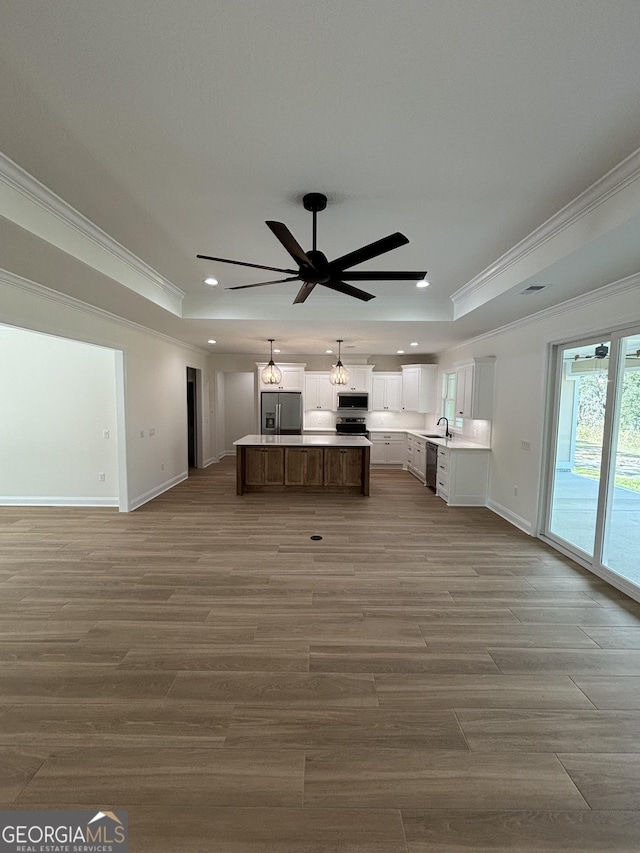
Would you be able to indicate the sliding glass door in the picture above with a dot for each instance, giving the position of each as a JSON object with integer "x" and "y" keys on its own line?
{"x": 621, "y": 533}
{"x": 593, "y": 506}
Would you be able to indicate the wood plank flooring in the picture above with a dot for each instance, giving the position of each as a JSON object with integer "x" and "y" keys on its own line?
{"x": 424, "y": 679}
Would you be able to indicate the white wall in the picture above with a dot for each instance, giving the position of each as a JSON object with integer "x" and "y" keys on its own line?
{"x": 154, "y": 381}
{"x": 522, "y": 352}
{"x": 58, "y": 396}
{"x": 240, "y": 407}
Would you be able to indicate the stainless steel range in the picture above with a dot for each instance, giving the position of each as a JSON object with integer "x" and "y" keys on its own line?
{"x": 352, "y": 426}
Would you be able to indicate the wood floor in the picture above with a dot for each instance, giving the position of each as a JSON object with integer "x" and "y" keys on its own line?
{"x": 424, "y": 679}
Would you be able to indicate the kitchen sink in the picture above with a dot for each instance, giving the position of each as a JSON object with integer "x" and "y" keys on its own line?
{"x": 431, "y": 435}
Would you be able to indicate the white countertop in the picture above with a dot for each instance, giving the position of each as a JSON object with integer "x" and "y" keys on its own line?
{"x": 303, "y": 441}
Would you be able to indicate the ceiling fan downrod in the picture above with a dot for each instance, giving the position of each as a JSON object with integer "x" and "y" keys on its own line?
{"x": 314, "y": 202}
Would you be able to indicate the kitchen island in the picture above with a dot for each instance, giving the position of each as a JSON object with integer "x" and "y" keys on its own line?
{"x": 303, "y": 463}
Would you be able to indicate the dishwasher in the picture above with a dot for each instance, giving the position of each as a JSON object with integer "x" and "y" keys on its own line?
{"x": 431, "y": 466}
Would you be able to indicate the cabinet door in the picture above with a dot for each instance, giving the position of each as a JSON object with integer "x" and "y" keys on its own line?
{"x": 273, "y": 466}
{"x": 386, "y": 392}
{"x": 378, "y": 390}
{"x": 378, "y": 450}
{"x": 292, "y": 378}
{"x": 303, "y": 466}
{"x": 326, "y": 394}
{"x": 319, "y": 393}
{"x": 395, "y": 452}
{"x": 464, "y": 390}
{"x": 359, "y": 379}
{"x": 254, "y": 472}
{"x": 393, "y": 397}
{"x": 410, "y": 389}
{"x": 420, "y": 388}
{"x": 333, "y": 475}
{"x": 342, "y": 466}
{"x": 352, "y": 464}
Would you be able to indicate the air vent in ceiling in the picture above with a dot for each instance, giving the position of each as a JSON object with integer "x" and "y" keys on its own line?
{"x": 533, "y": 288}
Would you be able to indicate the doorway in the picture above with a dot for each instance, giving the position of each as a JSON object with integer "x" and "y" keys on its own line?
{"x": 593, "y": 487}
{"x": 195, "y": 447}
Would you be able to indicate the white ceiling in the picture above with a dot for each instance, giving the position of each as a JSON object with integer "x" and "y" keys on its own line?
{"x": 180, "y": 127}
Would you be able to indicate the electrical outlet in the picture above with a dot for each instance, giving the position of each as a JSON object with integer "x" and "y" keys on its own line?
{"x": 525, "y": 445}
{"x": 101, "y": 476}
{"x": 515, "y": 491}
{"x": 162, "y": 467}
{"x": 105, "y": 433}
{"x": 141, "y": 433}
{"x": 152, "y": 432}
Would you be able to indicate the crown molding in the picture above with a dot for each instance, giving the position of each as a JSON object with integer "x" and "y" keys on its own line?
{"x": 616, "y": 288}
{"x": 605, "y": 188}
{"x": 40, "y": 290}
{"x": 35, "y": 193}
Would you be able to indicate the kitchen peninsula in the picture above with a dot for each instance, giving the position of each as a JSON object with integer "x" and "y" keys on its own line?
{"x": 303, "y": 463}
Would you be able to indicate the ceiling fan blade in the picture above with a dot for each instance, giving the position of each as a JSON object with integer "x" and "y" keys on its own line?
{"x": 387, "y": 275}
{"x": 304, "y": 292}
{"x": 263, "y": 283}
{"x": 244, "y": 264}
{"x": 343, "y": 287}
{"x": 393, "y": 241}
{"x": 289, "y": 242}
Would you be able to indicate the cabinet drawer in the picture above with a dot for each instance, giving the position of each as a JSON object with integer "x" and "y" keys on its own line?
{"x": 443, "y": 454}
{"x": 443, "y": 466}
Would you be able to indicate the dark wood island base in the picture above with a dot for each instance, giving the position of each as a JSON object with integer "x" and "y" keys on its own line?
{"x": 303, "y": 464}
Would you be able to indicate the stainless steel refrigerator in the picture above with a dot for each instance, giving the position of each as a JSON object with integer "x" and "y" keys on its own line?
{"x": 281, "y": 413}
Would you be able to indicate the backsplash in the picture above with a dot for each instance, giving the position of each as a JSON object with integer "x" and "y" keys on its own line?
{"x": 375, "y": 420}
{"x": 396, "y": 420}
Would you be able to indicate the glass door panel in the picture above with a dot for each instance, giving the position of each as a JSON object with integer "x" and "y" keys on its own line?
{"x": 621, "y": 543}
{"x": 583, "y": 376}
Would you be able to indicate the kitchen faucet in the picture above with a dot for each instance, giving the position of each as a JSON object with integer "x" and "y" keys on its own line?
{"x": 447, "y": 434}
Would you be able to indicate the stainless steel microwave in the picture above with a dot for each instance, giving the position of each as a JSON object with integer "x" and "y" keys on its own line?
{"x": 353, "y": 401}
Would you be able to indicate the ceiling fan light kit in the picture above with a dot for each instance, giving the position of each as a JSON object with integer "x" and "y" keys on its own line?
{"x": 313, "y": 266}
{"x": 339, "y": 374}
{"x": 271, "y": 374}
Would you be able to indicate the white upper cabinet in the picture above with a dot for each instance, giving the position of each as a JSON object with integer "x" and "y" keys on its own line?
{"x": 359, "y": 379}
{"x": 319, "y": 393}
{"x": 292, "y": 377}
{"x": 419, "y": 387}
{"x": 386, "y": 392}
{"x": 474, "y": 388}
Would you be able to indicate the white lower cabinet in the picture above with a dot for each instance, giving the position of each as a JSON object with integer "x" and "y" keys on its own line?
{"x": 417, "y": 457}
{"x": 388, "y": 448}
{"x": 462, "y": 476}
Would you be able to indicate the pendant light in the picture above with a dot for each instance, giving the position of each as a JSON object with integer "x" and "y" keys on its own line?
{"x": 271, "y": 374}
{"x": 339, "y": 374}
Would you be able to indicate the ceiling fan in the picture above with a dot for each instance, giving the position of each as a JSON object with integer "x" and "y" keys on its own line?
{"x": 314, "y": 268}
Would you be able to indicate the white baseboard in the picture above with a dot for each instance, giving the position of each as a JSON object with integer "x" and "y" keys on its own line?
{"x": 54, "y": 500}
{"x": 211, "y": 461}
{"x": 511, "y": 517}
{"x": 155, "y": 492}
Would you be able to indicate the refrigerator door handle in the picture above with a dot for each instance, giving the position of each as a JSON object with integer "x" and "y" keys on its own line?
{"x": 278, "y": 408}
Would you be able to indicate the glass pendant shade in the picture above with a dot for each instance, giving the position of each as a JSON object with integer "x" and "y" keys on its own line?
{"x": 271, "y": 374}
{"x": 339, "y": 374}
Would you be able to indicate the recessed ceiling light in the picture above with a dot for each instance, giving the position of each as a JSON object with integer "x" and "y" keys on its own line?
{"x": 329, "y": 351}
{"x": 211, "y": 341}
{"x": 400, "y": 352}
{"x": 422, "y": 283}
{"x": 414, "y": 344}
{"x": 210, "y": 280}
{"x": 276, "y": 350}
